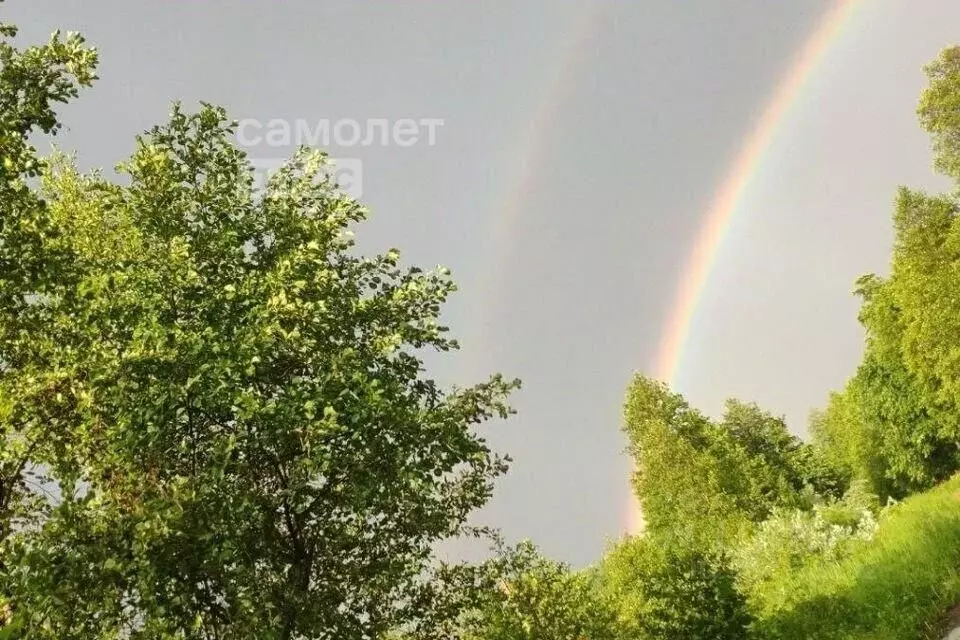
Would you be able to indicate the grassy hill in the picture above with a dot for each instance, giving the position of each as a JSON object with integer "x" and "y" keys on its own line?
{"x": 899, "y": 586}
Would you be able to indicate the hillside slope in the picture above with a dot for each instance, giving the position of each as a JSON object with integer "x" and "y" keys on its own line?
{"x": 896, "y": 587}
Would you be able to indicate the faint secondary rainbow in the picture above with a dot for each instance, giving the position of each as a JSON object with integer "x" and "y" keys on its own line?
{"x": 558, "y": 83}
{"x": 724, "y": 203}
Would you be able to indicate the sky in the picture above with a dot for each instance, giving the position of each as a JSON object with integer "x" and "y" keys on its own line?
{"x": 580, "y": 145}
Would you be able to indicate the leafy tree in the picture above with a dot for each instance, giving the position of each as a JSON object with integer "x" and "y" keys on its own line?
{"x": 939, "y": 110}
{"x": 673, "y": 591}
{"x": 706, "y": 482}
{"x": 32, "y": 82}
{"x": 684, "y": 489}
{"x": 528, "y": 597}
{"x": 229, "y": 399}
{"x": 848, "y": 442}
{"x": 900, "y": 419}
{"x": 896, "y": 424}
{"x": 783, "y": 467}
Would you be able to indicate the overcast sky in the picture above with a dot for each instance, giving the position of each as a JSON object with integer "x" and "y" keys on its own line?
{"x": 580, "y": 145}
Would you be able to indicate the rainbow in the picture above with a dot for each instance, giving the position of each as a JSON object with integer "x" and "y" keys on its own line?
{"x": 560, "y": 81}
{"x": 725, "y": 202}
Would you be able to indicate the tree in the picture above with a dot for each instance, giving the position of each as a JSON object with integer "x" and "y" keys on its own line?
{"x": 32, "y": 82}
{"x": 939, "y": 110}
{"x": 683, "y": 488}
{"x": 896, "y": 423}
{"x": 785, "y": 469}
{"x": 706, "y": 482}
{"x": 849, "y": 443}
{"x": 528, "y": 597}
{"x": 668, "y": 591}
{"x": 229, "y": 399}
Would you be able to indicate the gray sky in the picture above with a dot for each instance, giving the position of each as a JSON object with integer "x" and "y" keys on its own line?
{"x": 581, "y": 142}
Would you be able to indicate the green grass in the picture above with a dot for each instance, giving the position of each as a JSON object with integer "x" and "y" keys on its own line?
{"x": 896, "y": 587}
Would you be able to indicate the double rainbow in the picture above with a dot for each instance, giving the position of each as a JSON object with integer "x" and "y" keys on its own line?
{"x": 724, "y": 204}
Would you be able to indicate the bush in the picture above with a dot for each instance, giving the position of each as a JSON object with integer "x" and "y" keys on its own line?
{"x": 791, "y": 540}
{"x": 895, "y": 587}
{"x": 669, "y": 592}
{"x": 525, "y": 596}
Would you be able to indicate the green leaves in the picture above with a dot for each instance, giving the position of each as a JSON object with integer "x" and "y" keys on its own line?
{"x": 34, "y": 265}
{"x": 520, "y": 595}
{"x": 226, "y": 400}
{"x": 939, "y": 108}
{"x": 705, "y": 482}
{"x": 667, "y": 591}
{"x": 895, "y": 423}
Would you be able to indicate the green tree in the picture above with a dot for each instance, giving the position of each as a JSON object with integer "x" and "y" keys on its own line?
{"x": 668, "y": 591}
{"x": 32, "y": 82}
{"x": 229, "y": 399}
{"x": 899, "y": 417}
{"x": 528, "y": 597}
{"x": 684, "y": 488}
{"x": 939, "y": 110}
{"x": 848, "y": 442}
{"x": 896, "y": 423}
{"x": 706, "y": 482}
{"x": 785, "y": 469}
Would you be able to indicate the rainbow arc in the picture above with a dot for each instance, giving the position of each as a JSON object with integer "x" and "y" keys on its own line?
{"x": 725, "y": 202}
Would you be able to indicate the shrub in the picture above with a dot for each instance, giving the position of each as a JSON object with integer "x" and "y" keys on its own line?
{"x": 670, "y": 591}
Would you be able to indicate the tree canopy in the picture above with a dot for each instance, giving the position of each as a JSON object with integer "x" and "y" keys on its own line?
{"x": 224, "y": 401}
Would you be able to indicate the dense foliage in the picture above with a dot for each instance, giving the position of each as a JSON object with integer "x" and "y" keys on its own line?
{"x": 669, "y": 590}
{"x": 224, "y": 401}
{"x": 707, "y": 481}
{"x": 533, "y": 598}
{"x": 781, "y": 508}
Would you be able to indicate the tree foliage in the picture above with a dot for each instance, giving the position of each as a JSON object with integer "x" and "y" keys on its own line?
{"x": 896, "y": 423}
{"x": 668, "y": 591}
{"x": 227, "y": 402}
{"x": 529, "y": 597}
{"x": 32, "y": 82}
{"x": 683, "y": 488}
{"x": 707, "y": 482}
{"x": 939, "y": 110}
{"x": 215, "y": 420}
{"x": 846, "y": 440}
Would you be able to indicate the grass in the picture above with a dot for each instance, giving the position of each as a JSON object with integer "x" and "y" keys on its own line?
{"x": 899, "y": 586}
